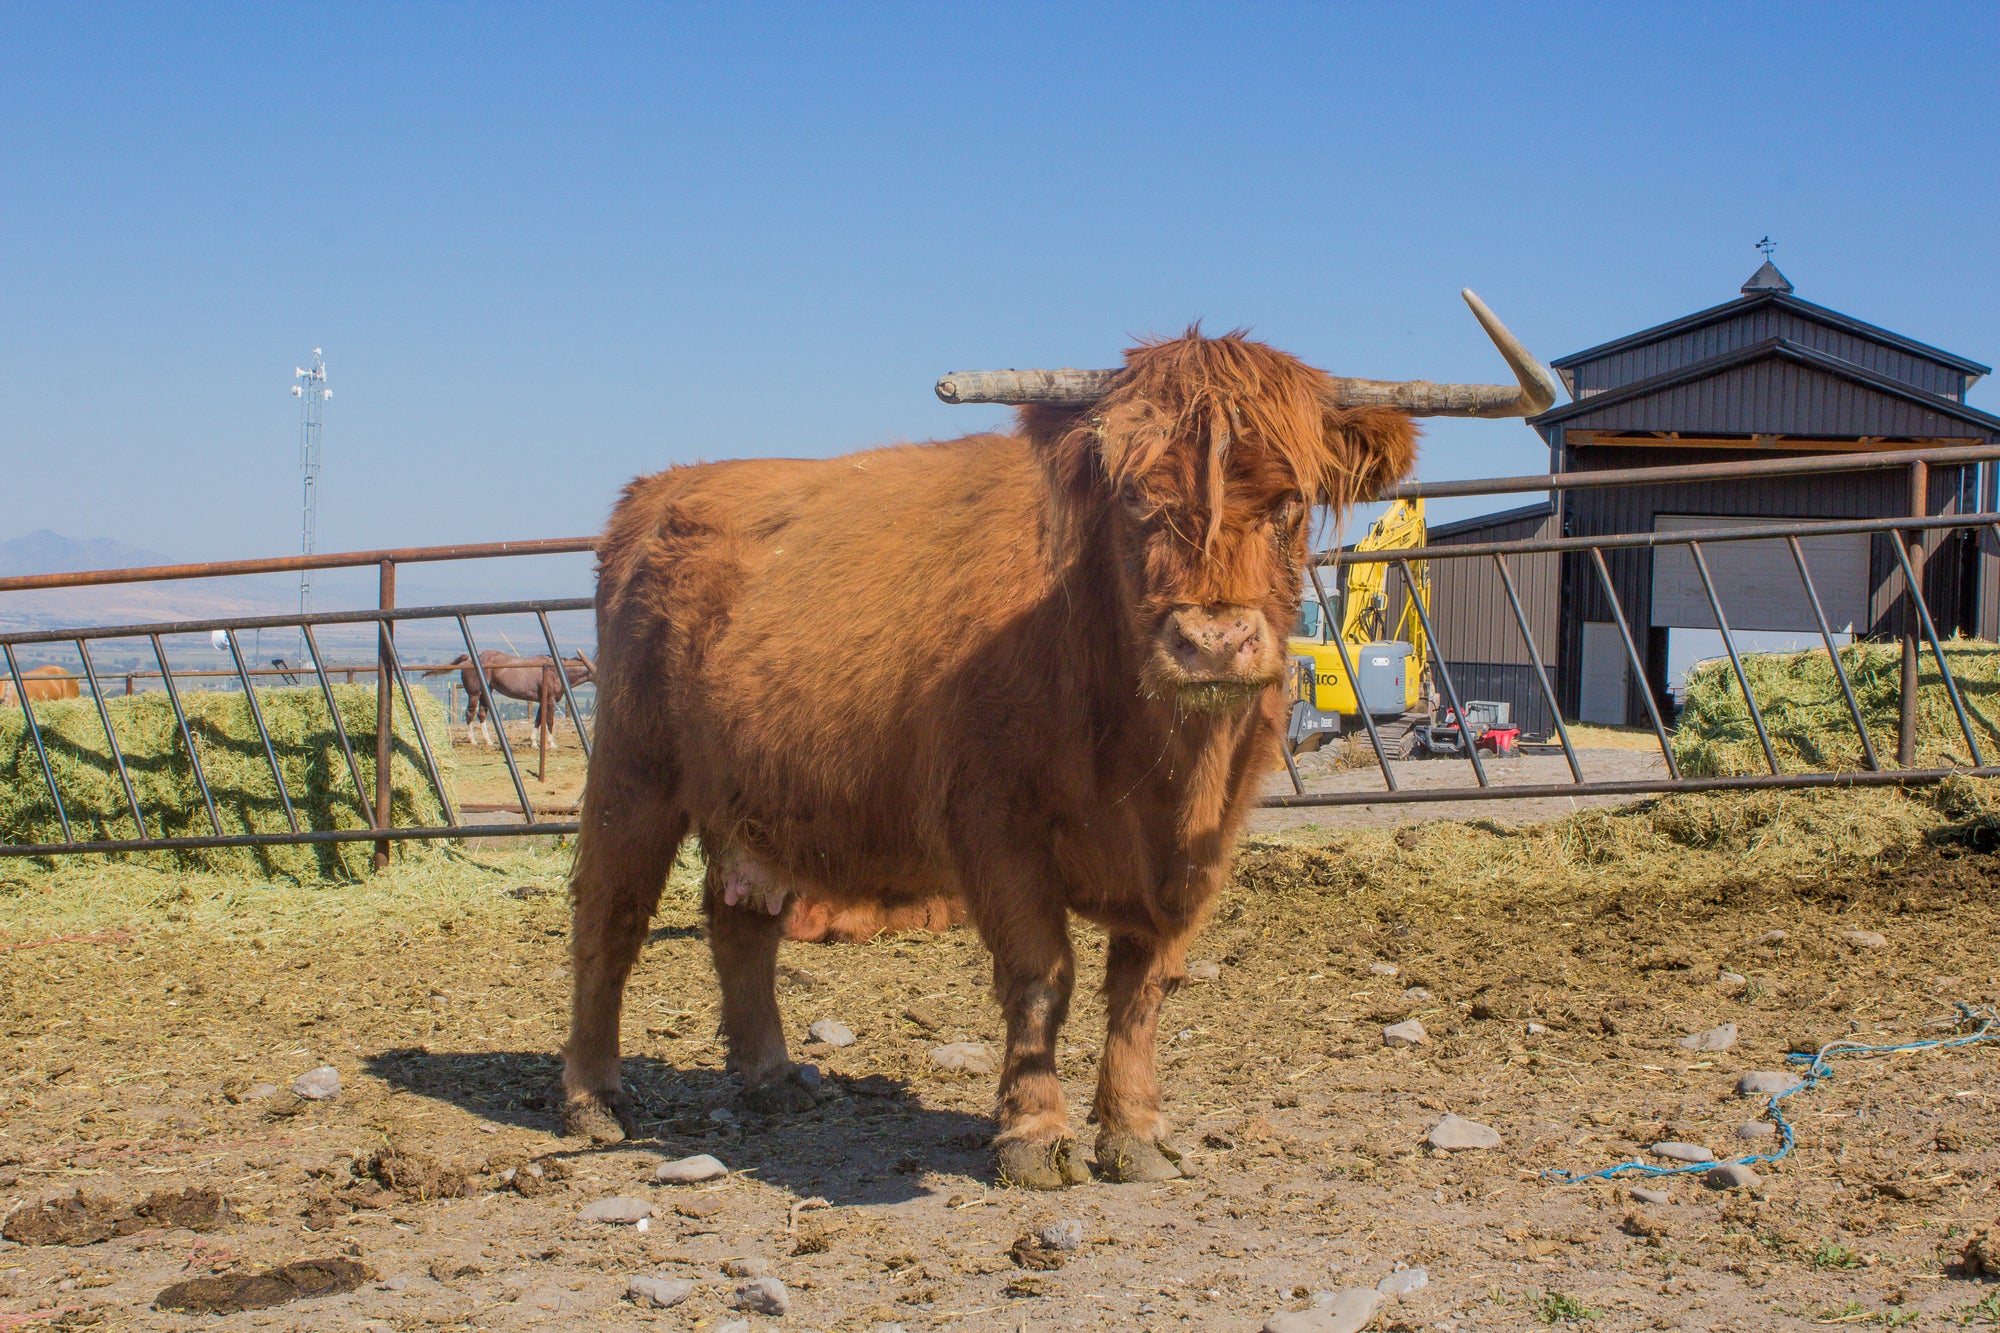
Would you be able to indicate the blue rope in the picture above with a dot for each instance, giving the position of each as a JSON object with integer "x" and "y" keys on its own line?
{"x": 1817, "y": 1069}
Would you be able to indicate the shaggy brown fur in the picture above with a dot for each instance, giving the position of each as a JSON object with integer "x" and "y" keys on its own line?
{"x": 857, "y": 923}
{"x": 1038, "y": 672}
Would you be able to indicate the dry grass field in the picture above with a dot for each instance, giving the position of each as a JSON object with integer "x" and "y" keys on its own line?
{"x": 1555, "y": 966}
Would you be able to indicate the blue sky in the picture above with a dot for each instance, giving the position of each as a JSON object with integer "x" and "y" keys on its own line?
{"x": 547, "y": 248}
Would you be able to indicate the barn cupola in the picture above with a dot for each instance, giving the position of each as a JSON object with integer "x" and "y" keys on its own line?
{"x": 1766, "y": 279}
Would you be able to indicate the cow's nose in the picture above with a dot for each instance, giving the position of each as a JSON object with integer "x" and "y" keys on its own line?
{"x": 1216, "y": 641}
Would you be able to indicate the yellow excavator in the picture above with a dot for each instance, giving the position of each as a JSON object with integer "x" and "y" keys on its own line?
{"x": 1389, "y": 661}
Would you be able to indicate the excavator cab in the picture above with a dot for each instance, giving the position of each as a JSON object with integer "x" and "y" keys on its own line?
{"x": 1388, "y": 661}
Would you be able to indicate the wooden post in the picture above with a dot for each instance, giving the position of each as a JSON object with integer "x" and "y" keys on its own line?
{"x": 1906, "y": 740}
{"x": 385, "y": 716}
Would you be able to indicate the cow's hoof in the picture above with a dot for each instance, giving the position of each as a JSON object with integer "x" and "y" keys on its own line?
{"x": 598, "y": 1117}
{"x": 1128, "y": 1159}
{"x": 782, "y": 1096}
{"x": 1039, "y": 1164}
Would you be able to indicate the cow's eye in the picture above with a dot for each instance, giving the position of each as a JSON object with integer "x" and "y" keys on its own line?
{"x": 1290, "y": 514}
{"x": 1133, "y": 501}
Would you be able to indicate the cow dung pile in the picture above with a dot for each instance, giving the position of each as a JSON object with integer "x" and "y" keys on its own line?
{"x": 234, "y": 763}
{"x": 1806, "y": 715}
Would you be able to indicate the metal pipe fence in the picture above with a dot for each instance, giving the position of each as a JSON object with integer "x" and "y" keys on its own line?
{"x": 1904, "y": 535}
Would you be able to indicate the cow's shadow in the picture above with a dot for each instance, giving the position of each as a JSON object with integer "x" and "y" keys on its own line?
{"x": 870, "y": 1141}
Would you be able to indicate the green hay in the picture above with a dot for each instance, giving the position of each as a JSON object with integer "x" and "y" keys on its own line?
{"x": 238, "y": 773}
{"x": 1808, "y": 721}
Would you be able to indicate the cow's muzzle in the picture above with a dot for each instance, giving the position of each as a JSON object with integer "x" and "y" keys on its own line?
{"x": 1212, "y": 657}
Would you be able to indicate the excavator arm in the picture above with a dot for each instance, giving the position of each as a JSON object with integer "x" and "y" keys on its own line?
{"x": 1363, "y": 611}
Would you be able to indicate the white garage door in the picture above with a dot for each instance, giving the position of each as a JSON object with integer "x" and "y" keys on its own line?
{"x": 1757, "y": 582}
{"x": 1605, "y": 672}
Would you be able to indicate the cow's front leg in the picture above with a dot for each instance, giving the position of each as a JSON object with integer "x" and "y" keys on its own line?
{"x": 743, "y": 938}
{"x": 1033, "y": 971}
{"x": 1139, "y": 973}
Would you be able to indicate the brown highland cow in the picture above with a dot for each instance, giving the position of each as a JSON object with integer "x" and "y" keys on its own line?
{"x": 1040, "y": 673}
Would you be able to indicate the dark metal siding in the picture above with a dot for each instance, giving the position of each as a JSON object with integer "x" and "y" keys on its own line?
{"x": 1947, "y": 576}
{"x": 1477, "y": 636}
{"x": 1631, "y": 364}
{"x": 1778, "y": 397}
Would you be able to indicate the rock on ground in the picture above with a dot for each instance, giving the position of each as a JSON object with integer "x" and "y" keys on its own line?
{"x": 658, "y": 1292}
{"x": 968, "y": 1057}
{"x": 1203, "y": 969}
{"x": 1453, "y": 1134}
{"x": 1750, "y": 1131}
{"x": 1867, "y": 939}
{"x": 750, "y": 1266}
{"x": 1404, "y": 1281}
{"x": 1731, "y": 1176}
{"x": 619, "y": 1211}
{"x": 318, "y": 1085}
{"x": 767, "y": 1295}
{"x": 1065, "y": 1235}
{"x": 1715, "y": 1039}
{"x": 1384, "y": 969}
{"x": 1655, "y": 1197}
{"x": 690, "y": 1170}
{"x": 1766, "y": 1083}
{"x": 1682, "y": 1152}
{"x": 831, "y": 1031}
{"x": 1331, "y": 1312}
{"x": 1408, "y": 1033}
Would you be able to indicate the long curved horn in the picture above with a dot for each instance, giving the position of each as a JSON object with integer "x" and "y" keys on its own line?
{"x": 1535, "y": 391}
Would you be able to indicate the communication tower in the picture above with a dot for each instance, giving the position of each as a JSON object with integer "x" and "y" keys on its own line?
{"x": 309, "y": 387}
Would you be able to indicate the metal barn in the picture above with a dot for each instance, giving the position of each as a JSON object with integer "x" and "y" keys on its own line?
{"x": 1764, "y": 376}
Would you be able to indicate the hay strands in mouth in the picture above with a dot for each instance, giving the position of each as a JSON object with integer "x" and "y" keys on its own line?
{"x": 1817, "y": 1068}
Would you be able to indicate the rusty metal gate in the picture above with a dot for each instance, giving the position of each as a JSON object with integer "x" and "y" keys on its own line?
{"x": 1918, "y": 633}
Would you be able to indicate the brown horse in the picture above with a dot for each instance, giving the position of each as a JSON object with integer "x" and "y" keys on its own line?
{"x": 517, "y": 678}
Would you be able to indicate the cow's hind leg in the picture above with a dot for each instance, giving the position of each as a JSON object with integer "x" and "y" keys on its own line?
{"x": 1033, "y": 972}
{"x": 1139, "y": 973}
{"x": 630, "y": 832}
{"x": 743, "y": 938}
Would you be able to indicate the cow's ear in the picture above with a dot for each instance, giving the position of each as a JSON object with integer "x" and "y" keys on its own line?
{"x": 1369, "y": 449}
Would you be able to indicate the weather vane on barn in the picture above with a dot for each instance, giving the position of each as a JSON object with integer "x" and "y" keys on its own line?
{"x": 1767, "y": 245}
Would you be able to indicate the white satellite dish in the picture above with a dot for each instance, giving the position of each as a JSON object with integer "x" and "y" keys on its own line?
{"x": 219, "y": 640}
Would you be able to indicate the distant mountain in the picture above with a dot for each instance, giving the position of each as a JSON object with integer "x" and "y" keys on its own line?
{"x": 45, "y": 552}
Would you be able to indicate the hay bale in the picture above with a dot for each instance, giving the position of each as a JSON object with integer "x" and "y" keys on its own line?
{"x": 238, "y": 773}
{"x": 1808, "y": 721}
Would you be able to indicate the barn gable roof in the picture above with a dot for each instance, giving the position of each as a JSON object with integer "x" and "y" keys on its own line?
{"x": 1766, "y": 308}
{"x": 1479, "y": 523}
{"x": 1773, "y": 387}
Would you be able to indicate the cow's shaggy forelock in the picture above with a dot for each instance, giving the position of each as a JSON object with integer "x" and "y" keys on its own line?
{"x": 1196, "y": 427}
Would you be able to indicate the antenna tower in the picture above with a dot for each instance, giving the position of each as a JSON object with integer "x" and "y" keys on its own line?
{"x": 309, "y": 387}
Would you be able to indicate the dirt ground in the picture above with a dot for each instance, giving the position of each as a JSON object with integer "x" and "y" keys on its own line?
{"x": 1555, "y": 966}
{"x": 480, "y": 777}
